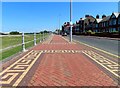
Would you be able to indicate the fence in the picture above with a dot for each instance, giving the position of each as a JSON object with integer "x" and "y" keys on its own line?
{"x": 16, "y": 43}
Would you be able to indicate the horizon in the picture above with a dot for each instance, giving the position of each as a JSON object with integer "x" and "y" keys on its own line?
{"x": 39, "y": 16}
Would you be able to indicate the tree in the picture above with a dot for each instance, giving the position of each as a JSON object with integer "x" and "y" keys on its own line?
{"x": 14, "y": 33}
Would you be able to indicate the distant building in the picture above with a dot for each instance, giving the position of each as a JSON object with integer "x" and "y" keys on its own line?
{"x": 66, "y": 27}
{"x": 4, "y": 33}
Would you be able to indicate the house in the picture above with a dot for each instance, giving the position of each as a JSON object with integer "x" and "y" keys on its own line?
{"x": 104, "y": 24}
{"x": 66, "y": 28}
{"x": 96, "y": 25}
{"x": 76, "y": 29}
{"x": 73, "y": 28}
{"x": 114, "y": 22}
{"x": 119, "y": 23}
{"x": 81, "y": 25}
{"x": 88, "y": 23}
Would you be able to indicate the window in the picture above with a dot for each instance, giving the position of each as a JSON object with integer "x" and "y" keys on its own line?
{"x": 96, "y": 25}
{"x": 107, "y": 24}
{"x": 110, "y": 22}
{"x": 104, "y": 24}
{"x": 110, "y": 29}
{"x": 119, "y": 20}
{"x": 114, "y": 30}
{"x": 119, "y": 29}
{"x": 114, "y": 21}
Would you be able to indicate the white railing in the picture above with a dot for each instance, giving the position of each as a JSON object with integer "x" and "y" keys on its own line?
{"x": 23, "y": 42}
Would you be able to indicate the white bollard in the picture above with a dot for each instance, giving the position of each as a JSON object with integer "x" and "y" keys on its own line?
{"x": 34, "y": 39}
{"x": 23, "y": 43}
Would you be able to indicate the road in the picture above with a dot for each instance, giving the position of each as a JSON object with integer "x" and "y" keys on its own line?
{"x": 101, "y": 43}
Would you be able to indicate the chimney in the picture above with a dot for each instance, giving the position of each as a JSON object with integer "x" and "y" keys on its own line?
{"x": 103, "y": 16}
{"x": 86, "y": 15}
{"x": 97, "y": 17}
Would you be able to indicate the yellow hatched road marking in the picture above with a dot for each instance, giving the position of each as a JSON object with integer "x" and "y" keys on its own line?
{"x": 14, "y": 63}
{"x": 10, "y": 79}
{"x": 103, "y": 65}
{"x": 18, "y": 67}
{"x": 26, "y": 71}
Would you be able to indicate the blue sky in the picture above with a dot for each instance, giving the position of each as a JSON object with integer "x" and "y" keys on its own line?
{"x": 38, "y": 16}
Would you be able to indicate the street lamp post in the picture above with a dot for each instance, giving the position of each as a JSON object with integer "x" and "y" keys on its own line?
{"x": 70, "y": 20}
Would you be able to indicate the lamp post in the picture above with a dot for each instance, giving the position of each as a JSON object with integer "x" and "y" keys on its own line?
{"x": 70, "y": 20}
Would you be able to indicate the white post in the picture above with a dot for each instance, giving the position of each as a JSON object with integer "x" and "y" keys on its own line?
{"x": 40, "y": 37}
{"x": 23, "y": 43}
{"x": 34, "y": 38}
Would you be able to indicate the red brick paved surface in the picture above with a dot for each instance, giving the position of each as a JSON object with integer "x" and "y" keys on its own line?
{"x": 56, "y": 62}
{"x": 63, "y": 69}
{"x": 68, "y": 70}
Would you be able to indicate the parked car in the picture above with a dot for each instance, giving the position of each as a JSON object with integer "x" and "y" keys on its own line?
{"x": 64, "y": 34}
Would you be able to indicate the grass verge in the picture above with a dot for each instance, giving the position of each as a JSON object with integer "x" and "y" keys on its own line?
{"x": 15, "y": 50}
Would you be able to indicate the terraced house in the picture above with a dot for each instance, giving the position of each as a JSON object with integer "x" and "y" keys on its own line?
{"x": 114, "y": 22}
{"x": 66, "y": 28}
{"x": 106, "y": 24}
{"x": 96, "y": 24}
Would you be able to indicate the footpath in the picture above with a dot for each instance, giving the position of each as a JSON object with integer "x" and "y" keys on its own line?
{"x": 57, "y": 62}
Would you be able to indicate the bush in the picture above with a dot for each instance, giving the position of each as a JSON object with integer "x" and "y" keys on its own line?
{"x": 14, "y": 33}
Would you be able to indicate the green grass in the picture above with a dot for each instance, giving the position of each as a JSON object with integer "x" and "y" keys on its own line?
{"x": 13, "y": 40}
{"x": 10, "y": 52}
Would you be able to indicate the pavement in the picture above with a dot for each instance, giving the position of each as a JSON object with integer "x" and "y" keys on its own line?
{"x": 58, "y": 62}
